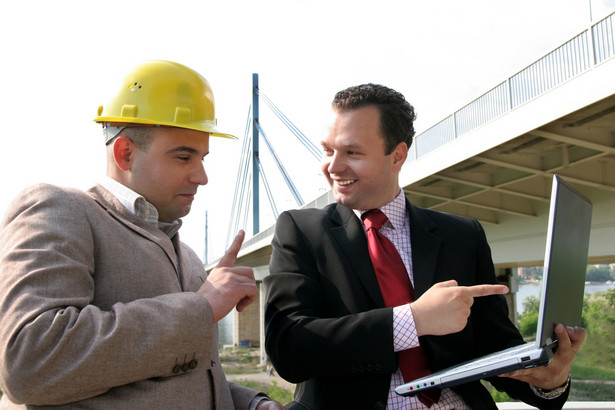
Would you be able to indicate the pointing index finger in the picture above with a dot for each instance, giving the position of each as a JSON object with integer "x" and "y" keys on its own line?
{"x": 486, "y": 290}
{"x": 229, "y": 258}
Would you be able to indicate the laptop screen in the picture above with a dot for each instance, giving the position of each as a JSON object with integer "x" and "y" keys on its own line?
{"x": 563, "y": 282}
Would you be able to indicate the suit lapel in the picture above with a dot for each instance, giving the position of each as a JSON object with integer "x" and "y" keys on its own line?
{"x": 425, "y": 248}
{"x": 348, "y": 232}
{"x": 132, "y": 222}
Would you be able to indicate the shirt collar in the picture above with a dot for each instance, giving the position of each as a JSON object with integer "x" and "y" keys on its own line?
{"x": 132, "y": 201}
{"x": 394, "y": 210}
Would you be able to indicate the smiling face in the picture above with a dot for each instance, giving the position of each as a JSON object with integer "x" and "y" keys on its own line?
{"x": 168, "y": 172}
{"x": 361, "y": 176}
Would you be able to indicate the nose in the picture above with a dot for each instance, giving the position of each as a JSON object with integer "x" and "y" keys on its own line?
{"x": 199, "y": 176}
{"x": 333, "y": 164}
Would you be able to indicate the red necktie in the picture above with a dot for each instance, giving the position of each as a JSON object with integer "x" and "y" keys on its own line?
{"x": 396, "y": 290}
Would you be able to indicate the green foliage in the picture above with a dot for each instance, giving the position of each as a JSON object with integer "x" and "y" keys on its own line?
{"x": 274, "y": 391}
{"x": 528, "y": 320}
{"x": 595, "y": 361}
{"x": 498, "y": 396}
{"x": 239, "y": 360}
{"x": 279, "y": 394}
{"x": 246, "y": 360}
{"x": 531, "y": 304}
{"x": 528, "y": 324}
{"x": 582, "y": 372}
{"x": 599, "y": 273}
{"x": 591, "y": 391}
{"x": 598, "y": 351}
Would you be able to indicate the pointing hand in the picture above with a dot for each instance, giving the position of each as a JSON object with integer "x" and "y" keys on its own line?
{"x": 445, "y": 307}
{"x": 229, "y": 286}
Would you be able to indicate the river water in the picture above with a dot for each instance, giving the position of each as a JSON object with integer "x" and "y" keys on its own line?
{"x": 226, "y": 324}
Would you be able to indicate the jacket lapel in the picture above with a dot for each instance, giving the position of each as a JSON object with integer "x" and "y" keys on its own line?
{"x": 425, "y": 248}
{"x": 132, "y": 222}
{"x": 348, "y": 232}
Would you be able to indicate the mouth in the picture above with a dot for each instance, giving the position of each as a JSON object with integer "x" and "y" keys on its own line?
{"x": 344, "y": 182}
{"x": 188, "y": 196}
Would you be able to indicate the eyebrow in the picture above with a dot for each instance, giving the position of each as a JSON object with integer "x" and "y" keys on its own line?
{"x": 182, "y": 148}
{"x": 350, "y": 145}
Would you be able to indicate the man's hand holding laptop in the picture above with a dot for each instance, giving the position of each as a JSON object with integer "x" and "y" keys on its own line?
{"x": 445, "y": 309}
{"x": 570, "y": 340}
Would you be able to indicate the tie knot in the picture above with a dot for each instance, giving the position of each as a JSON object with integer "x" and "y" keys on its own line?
{"x": 374, "y": 218}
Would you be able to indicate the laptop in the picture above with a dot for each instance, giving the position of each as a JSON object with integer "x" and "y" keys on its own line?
{"x": 561, "y": 299}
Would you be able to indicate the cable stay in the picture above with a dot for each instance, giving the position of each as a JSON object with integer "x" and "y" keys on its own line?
{"x": 268, "y": 189}
{"x": 243, "y": 191}
{"x": 281, "y": 168}
{"x": 240, "y": 183}
{"x": 309, "y": 145}
{"x": 246, "y": 211}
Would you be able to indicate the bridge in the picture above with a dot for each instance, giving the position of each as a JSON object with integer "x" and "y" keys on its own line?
{"x": 494, "y": 159}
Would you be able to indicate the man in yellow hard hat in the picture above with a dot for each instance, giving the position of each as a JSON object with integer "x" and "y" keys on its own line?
{"x": 101, "y": 305}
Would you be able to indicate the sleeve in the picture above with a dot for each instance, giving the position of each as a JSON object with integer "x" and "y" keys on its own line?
{"x": 55, "y": 345}
{"x": 312, "y": 313}
{"x": 404, "y": 329}
{"x": 244, "y": 397}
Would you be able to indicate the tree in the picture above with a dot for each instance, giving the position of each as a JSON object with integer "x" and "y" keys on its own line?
{"x": 598, "y": 273}
{"x": 528, "y": 320}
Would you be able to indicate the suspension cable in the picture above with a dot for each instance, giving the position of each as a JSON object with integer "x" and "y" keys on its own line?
{"x": 281, "y": 168}
{"x": 267, "y": 189}
{"x": 240, "y": 183}
{"x": 309, "y": 145}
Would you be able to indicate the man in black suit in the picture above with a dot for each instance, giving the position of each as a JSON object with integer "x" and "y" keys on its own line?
{"x": 327, "y": 326}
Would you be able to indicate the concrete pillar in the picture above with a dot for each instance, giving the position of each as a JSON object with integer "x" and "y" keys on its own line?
{"x": 247, "y": 324}
{"x": 510, "y": 278}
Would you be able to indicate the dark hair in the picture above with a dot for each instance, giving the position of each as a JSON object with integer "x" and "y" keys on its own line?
{"x": 396, "y": 114}
{"x": 141, "y": 136}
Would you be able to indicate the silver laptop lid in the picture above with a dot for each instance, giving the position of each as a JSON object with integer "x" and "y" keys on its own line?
{"x": 563, "y": 282}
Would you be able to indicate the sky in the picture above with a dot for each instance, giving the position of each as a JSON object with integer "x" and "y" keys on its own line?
{"x": 62, "y": 59}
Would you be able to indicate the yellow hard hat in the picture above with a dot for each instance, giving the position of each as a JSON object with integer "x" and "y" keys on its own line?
{"x": 163, "y": 93}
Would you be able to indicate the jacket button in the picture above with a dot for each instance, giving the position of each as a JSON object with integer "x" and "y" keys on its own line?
{"x": 177, "y": 368}
{"x": 185, "y": 367}
{"x": 193, "y": 363}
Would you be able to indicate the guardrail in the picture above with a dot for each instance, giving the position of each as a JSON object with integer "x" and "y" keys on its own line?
{"x": 578, "y": 55}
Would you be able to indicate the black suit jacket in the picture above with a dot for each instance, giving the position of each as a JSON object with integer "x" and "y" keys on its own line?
{"x": 326, "y": 325}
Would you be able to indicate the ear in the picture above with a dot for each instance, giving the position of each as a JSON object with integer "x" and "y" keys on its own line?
{"x": 400, "y": 154}
{"x": 123, "y": 152}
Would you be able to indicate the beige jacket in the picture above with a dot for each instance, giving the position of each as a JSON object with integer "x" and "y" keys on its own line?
{"x": 98, "y": 311}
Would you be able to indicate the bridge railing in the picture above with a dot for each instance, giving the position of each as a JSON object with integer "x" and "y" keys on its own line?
{"x": 588, "y": 49}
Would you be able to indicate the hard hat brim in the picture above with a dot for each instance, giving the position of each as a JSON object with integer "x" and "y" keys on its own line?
{"x": 207, "y": 126}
